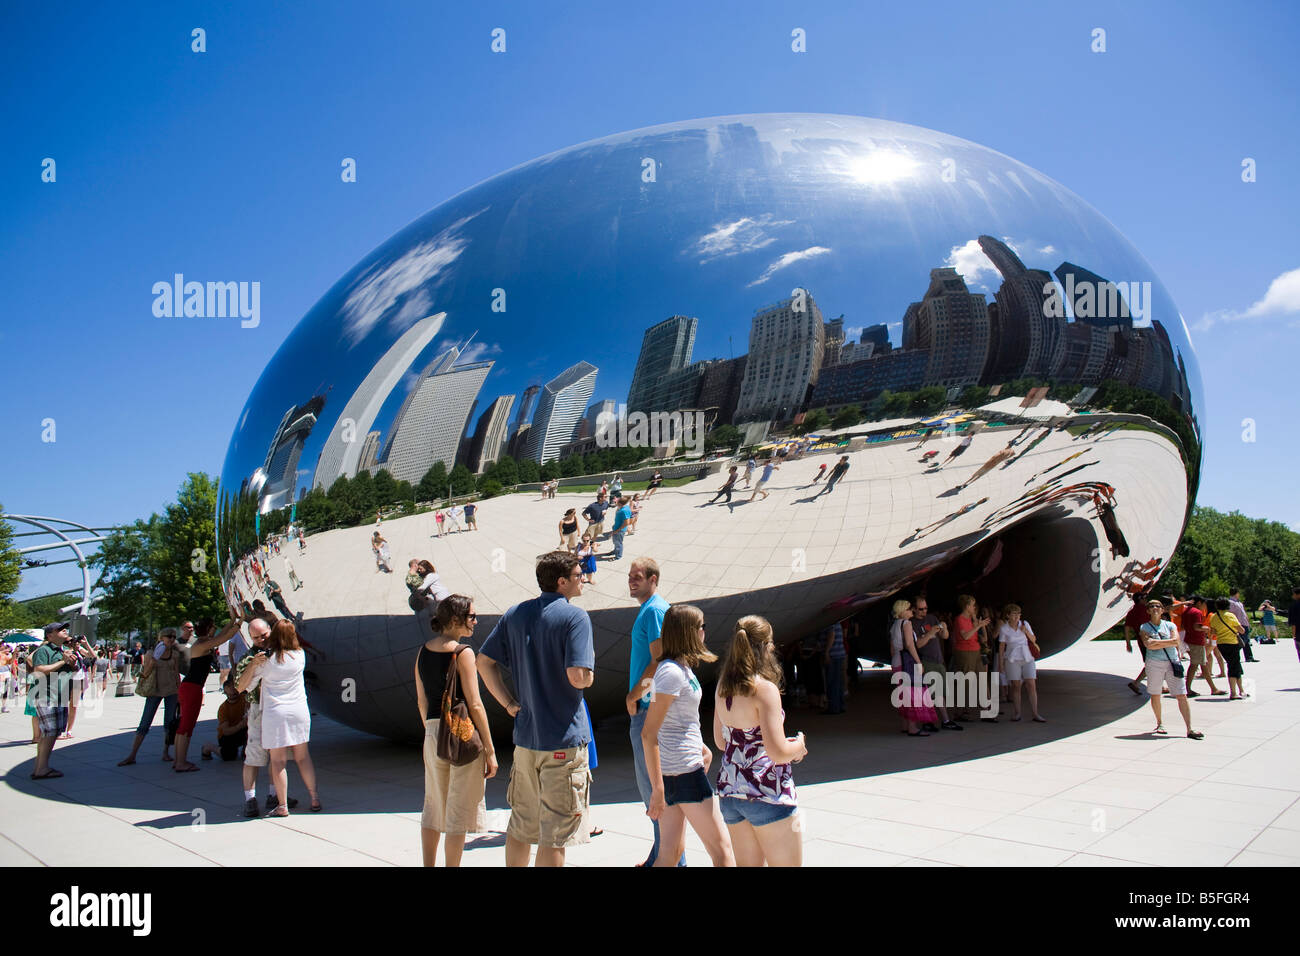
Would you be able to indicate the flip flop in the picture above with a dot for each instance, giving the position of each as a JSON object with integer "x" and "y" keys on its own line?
{"x": 128, "y": 762}
{"x": 48, "y": 775}
{"x": 190, "y": 769}
{"x": 1040, "y": 720}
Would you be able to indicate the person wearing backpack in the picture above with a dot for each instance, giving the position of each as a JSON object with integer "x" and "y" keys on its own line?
{"x": 454, "y": 803}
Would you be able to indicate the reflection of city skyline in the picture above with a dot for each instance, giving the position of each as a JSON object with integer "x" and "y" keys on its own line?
{"x": 951, "y": 337}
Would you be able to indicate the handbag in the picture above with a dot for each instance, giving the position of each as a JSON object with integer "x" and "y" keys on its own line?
{"x": 147, "y": 685}
{"x": 1177, "y": 665}
{"x": 416, "y": 600}
{"x": 1033, "y": 647}
{"x": 459, "y": 742}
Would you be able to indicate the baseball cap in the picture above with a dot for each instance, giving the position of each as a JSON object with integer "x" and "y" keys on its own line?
{"x": 56, "y": 626}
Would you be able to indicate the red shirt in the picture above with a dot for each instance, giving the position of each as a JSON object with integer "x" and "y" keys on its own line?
{"x": 961, "y": 625}
{"x": 1135, "y": 619}
{"x": 1193, "y": 624}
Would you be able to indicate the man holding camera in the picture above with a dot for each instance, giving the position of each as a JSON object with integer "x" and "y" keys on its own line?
{"x": 53, "y": 663}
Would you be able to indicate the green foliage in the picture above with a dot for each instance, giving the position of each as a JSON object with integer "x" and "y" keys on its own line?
{"x": 461, "y": 480}
{"x": 506, "y": 471}
{"x": 973, "y": 396}
{"x": 529, "y": 472}
{"x": 433, "y": 485}
{"x": 550, "y": 470}
{"x": 847, "y": 416}
{"x": 1221, "y": 550}
{"x": 813, "y": 421}
{"x": 490, "y": 488}
{"x": 573, "y": 466}
{"x": 386, "y": 493}
{"x": 722, "y": 436}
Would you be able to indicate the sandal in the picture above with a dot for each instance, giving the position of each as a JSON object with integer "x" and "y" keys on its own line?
{"x": 315, "y": 805}
{"x": 280, "y": 811}
{"x": 49, "y": 774}
{"x": 1040, "y": 720}
{"x": 186, "y": 769}
{"x": 1160, "y": 729}
{"x": 1195, "y": 735}
{"x": 919, "y": 733}
{"x": 129, "y": 761}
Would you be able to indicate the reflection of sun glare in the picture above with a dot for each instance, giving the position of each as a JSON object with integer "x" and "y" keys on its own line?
{"x": 879, "y": 167}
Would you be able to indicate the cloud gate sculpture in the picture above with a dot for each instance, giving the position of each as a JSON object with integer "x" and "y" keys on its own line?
{"x": 1014, "y": 390}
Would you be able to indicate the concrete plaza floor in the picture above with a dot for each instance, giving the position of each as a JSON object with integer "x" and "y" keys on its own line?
{"x": 1090, "y": 788}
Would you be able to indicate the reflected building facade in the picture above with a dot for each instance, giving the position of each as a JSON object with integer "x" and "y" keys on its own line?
{"x": 559, "y": 408}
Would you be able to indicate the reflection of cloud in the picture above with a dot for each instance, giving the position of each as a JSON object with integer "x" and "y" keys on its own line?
{"x": 971, "y": 263}
{"x": 401, "y": 283}
{"x": 789, "y": 259}
{"x": 1281, "y": 298}
{"x": 478, "y": 352}
{"x": 733, "y": 238}
{"x": 1047, "y": 250}
{"x": 851, "y": 332}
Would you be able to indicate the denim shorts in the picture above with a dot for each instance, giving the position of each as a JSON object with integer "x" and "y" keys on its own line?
{"x": 754, "y": 812}
{"x": 692, "y": 787}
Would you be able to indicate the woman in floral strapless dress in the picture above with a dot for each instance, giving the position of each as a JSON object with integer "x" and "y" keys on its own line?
{"x": 756, "y": 782}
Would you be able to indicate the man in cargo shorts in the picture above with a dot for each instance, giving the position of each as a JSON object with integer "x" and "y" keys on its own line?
{"x": 546, "y": 643}
{"x": 1161, "y": 638}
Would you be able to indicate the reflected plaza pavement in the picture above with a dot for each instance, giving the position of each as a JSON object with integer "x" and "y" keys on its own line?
{"x": 1090, "y": 788}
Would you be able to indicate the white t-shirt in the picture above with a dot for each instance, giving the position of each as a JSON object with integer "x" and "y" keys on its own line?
{"x": 680, "y": 743}
{"x": 1017, "y": 645}
{"x": 432, "y": 584}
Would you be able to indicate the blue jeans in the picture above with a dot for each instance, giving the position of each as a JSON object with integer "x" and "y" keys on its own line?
{"x": 171, "y": 716}
{"x": 618, "y": 544}
{"x": 643, "y": 782}
{"x": 835, "y": 686}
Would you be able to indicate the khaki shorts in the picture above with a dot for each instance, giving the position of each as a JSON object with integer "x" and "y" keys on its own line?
{"x": 1197, "y": 653}
{"x": 548, "y": 796}
{"x": 254, "y": 755}
{"x": 967, "y": 661}
{"x": 453, "y": 796}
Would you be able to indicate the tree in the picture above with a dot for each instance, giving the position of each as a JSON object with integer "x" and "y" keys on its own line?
{"x": 11, "y": 564}
{"x": 550, "y": 470}
{"x": 434, "y": 483}
{"x": 529, "y": 472}
{"x": 386, "y": 493}
{"x": 813, "y": 421}
{"x": 973, "y": 396}
{"x": 573, "y": 466}
{"x": 506, "y": 471}
{"x": 185, "y": 575}
{"x": 722, "y": 436}
{"x": 490, "y": 488}
{"x": 462, "y": 481}
{"x": 125, "y": 561}
{"x": 364, "y": 499}
{"x": 847, "y": 416}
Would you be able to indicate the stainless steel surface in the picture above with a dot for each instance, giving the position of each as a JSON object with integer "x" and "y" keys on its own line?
{"x": 982, "y": 270}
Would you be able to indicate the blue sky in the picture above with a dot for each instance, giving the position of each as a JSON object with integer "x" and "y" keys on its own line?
{"x": 226, "y": 163}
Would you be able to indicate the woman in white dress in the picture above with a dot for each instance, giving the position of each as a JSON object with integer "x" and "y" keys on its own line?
{"x": 286, "y": 721}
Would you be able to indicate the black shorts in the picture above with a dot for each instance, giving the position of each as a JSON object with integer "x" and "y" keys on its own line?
{"x": 692, "y": 787}
{"x": 230, "y": 745}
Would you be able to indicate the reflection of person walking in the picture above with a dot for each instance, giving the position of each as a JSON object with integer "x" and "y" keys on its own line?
{"x": 293, "y": 576}
{"x": 727, "y": 488}
{"x": 820, "y": 472}
{"x": 768, "y": 468}
{"x": 837, "y": 472}
{"x": 989, "y": 465}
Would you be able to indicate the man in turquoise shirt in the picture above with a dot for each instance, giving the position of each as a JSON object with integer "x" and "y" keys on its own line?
{"x": 643, "y": 586}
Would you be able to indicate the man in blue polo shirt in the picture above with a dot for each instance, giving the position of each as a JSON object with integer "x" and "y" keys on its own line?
{"x": 643, "y": 586}
{"x": 546, "y": 643}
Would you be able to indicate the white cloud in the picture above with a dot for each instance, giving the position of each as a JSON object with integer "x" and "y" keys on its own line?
{"x": 971, "y": 263}
{"x": 789, "y": 259}
{"x": 733, "y": 238}
{"x": 1281, "y": 298}
{"x": 478, "y": 352}
{"x": 401, "y": 283}
{"x": 1047, "y": 251}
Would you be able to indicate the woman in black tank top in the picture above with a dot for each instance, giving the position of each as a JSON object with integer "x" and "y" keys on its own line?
{"x": 453, "y": 796}
{"x": 569, "y": 530}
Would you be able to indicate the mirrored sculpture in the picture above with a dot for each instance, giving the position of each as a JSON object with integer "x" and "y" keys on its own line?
{"x": 1014, "y": 390}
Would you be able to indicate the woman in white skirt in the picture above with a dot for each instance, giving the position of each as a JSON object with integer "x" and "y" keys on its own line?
{"x": 1016, "y": 661}
{"x": 454, "y": 801}
{"x": 286, "y": 721}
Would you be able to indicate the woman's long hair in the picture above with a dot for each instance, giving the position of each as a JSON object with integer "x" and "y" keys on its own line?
{"x": 751, "y": 655}
{"x": 680, "y": 638}
{"x": 283, "y": 637}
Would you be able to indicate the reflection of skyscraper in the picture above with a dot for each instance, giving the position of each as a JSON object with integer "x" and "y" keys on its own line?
{"x": 369, "y": 452}
{"x": 786, "y": 343}
{"x": 517, "y": 447}
{"x": 559, "y": 407}
{"x": 490, "y": 437}
{"x": 594, "y": 426}
{"x": 665, "y": 348}
{"x": 1092, "y": 299}
{"x": 527, "y": 404}
{"x": 1028, "y": 334}
{"x": 852, "y": 382}
{"x": 720, "y": 387}
{"x": 953, "y": 323}
{"x": 834, "y": 341}
{"x": 342, "y": 451}
{"x": 878, "y": 336}
{"x": 281, "y": 465}
{"x": 432, "y": 420}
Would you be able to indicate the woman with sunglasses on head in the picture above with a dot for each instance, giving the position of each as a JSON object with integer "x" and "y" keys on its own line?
{"x": 453, "y": 796}
{"x": 908, "y": 692}
{"x": 164, "y": 663}
{"x": 676, "y": 758}
{"x": 756, "y": 783}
